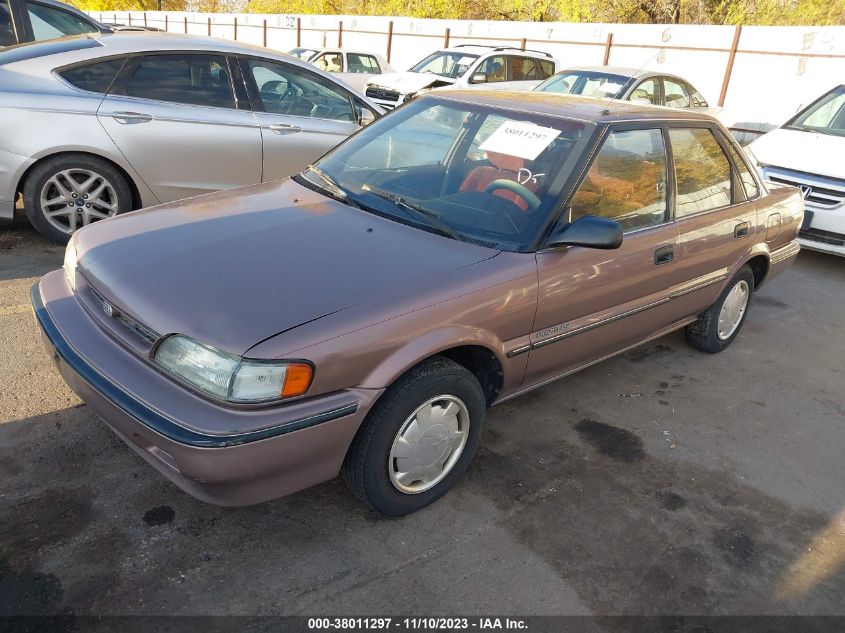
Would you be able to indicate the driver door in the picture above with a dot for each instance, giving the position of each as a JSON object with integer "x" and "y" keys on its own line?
{"x": 302, "y": 115}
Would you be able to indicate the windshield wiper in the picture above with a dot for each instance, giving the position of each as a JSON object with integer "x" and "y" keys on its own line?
{"x": 431, "y": 218}
{"x": 330, "y": 186}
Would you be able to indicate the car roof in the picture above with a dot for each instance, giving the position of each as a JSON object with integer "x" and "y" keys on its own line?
{"x": 624, "y": 71}
{"x": 483, "y": 49}
{"x": 586, "y": 109}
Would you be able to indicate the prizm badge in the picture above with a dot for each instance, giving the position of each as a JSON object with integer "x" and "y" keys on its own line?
{"x": 551, "y": 331}
{"x": 108, "y": 309}
{"x": 806, "y": 190}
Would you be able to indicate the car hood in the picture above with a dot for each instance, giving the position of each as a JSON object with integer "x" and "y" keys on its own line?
{"x": 809, "y": 152}
{"x": 407, "y": 82}
{"x": 231, "y": 269}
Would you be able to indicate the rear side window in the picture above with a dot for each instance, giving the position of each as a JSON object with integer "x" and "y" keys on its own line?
{"x": 545, "y": 68}
{"x": 49, "y": 22}
{"x": 7, "y": 32}
{"x": 191, "y": 79}
{"x": 748, "y": 182}
{"x": 702, "y": 171}
{"x": 522, "y": 69}
{"x": 626, "y": 182}
{"x": 675, "y": 94}
{"x": 360, "y": 63}
{"x": 95, "y": 77}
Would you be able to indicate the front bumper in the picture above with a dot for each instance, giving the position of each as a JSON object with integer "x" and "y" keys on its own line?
{"x": 824, "y": 230}
{"x": 238, "y": 456}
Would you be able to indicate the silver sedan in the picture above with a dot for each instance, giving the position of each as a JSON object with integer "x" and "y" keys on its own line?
{"x": 93, "y": 126}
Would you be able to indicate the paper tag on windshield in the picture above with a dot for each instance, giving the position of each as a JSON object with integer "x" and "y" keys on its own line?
{"x": 520, "y": 138}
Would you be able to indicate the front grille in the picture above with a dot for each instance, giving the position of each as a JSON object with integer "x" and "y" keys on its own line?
{"x": 818, "y": 191}
{"x": 382, "y": 93}
{"x": 824, "y": 237}
{"x": 133, "y": 325}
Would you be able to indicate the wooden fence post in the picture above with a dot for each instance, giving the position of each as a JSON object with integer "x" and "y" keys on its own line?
{"x": 446, "y": 37}
{"x": 236, "y": 29}
{"x": 340, "y": 33}
{"x": 608, "y": 43}
{"x": 145, "y": 18}
{"x": 209, "y": 26}
{"x": 130, "y": 19}
{"x": 389, "y": 39}
{"x": 186, "y": 24}
{"x": 730, "y": 67}
{"x": 165, "y": 21}
{"x": 264, "y": 33}
{"x": 299, "y": 31}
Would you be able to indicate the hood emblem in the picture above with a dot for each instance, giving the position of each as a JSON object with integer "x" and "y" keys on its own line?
{"x": 108, "y": 309}
{"x": 806, "y": 190}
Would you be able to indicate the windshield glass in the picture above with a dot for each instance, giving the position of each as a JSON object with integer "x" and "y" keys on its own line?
{"x": 470, "y": 172}
{"x": 586, "y": 84}
{"x": 827, "y": 115}
{"x": 446, "y": 64}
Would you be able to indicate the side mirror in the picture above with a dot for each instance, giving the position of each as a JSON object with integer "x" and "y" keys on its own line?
{"x": 478, "y": 78}
{"x": 589, "y": 231}
{"x": 366, "y": 117}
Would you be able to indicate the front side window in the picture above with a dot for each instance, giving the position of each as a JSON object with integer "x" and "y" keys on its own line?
{"x": 95, "y": 77}
{"x": 360, "y": 63}
{"x": 587, "y": 84}
{"x": 290, "y": 90}
{"x": 7, "y": 31}
{"x": 646, "y": 92}
{"x": 494, "y": 68}
{"x": 483, "y": 174}
{"x": 827, "y": 115}
{"x": 201, "y": 80}
{"x": 446, "y": 64}
{"x": 702, "y": 171}
{"x": 330, "y": 62}
{"x": 675, "y": 94}
{"x": 49, "y": 22}
{"x": 626, "y": 182}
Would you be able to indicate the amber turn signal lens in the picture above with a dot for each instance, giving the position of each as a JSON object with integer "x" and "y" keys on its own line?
{"x": 297, "y": 380}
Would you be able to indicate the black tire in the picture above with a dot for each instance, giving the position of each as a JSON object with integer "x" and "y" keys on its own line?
{"x": 365, "y": 468}
{"x": 703, "y": 334}
{"x": 49, "y": 167}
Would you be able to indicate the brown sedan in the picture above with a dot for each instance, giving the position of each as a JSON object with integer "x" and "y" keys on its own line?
{"x": 362, "y": 315}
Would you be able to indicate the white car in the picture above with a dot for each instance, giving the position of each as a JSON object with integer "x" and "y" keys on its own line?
{"x": 464, "y": 66}
{"x": 356, "y": 68}
{"x": 807, "y": 152}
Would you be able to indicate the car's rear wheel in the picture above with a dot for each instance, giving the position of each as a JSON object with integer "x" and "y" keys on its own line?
{"x": 65, "y": 193}
{"x": 716, "y": 328}
{"x": 418, "y": 439}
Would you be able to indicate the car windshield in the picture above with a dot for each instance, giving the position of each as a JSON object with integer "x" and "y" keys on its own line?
{"x": 446, "y": 64}
{"x": 475, "y": 173}
{"x": 827, "y": 115}
{"x": 303, "y": 53}
{"x": 586, "y": 84}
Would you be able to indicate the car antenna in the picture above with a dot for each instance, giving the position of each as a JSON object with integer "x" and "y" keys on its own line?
{"x": 610, "y": 101}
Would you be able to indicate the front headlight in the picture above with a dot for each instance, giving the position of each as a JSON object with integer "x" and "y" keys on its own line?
{"x": 70, "y": 264}
{"x": 229, "y": 377}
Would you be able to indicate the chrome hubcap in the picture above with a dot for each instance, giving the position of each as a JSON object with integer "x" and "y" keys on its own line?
{"x": 74, "y": 198}
{"x": 428, "y": 444}
{"x": 733, "y": 309}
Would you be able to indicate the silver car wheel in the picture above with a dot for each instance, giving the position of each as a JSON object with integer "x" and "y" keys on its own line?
{"x": 428, "y": 444}
{"x": 73, "y": 198}
{"x": 733, "y": 309}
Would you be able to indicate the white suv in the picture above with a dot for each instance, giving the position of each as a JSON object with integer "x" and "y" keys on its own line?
{"x": 464, "y": 66}
{"x": 807, "y": 153}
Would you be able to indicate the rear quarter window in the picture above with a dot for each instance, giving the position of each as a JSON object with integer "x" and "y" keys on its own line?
{"x": 96, "y": 77}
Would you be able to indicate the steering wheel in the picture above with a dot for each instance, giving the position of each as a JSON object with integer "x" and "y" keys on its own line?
{"x": 523, "y": 192}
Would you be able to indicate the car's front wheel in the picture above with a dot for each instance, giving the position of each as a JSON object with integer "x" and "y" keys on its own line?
{"x": 65, "y": 193}
{"x": 418, "y": 439}
{"x": 716, "y": 328}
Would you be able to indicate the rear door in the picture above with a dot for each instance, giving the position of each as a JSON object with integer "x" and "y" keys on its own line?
{"x": 302, "y": 114}
{"x": 593, "y": 303}
{"x": 175, "y": 118}
{"x": 715, "y": 210}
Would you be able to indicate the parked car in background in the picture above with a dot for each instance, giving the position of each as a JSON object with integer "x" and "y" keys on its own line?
{"x": 95, "y": 126}
{"x": 34, "y": 20}
{"x": 356, "y": 68}
{"x": 464, "y": 66}
{"x": 628, "y": 84}
{"x": 362, "y": 315}
{"x": 807, "y": 152}
{"x": 130, "y": 28}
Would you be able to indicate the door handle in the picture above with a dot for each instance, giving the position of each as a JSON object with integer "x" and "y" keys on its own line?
{"x": 284, "y": 128}
{"x": 131, "y": 117}
{"x": 741, "y": 229}
{"x": 664, "y": 255}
